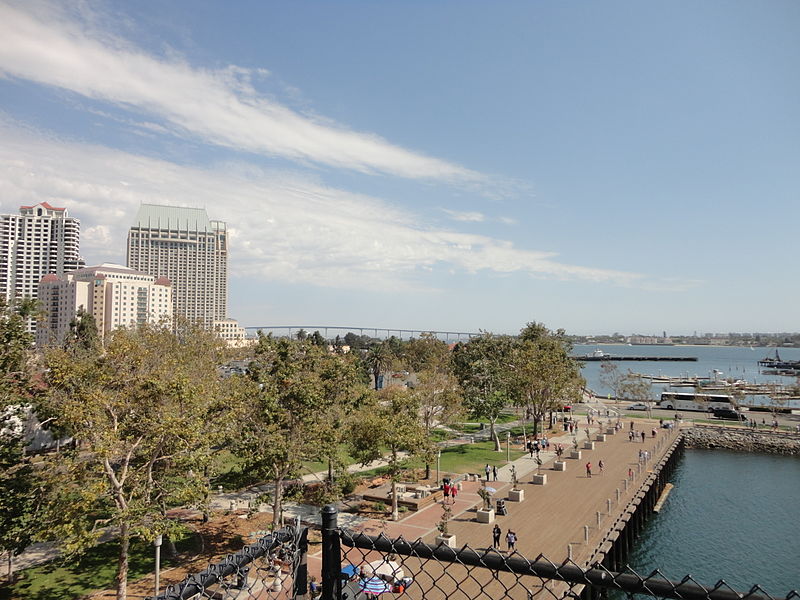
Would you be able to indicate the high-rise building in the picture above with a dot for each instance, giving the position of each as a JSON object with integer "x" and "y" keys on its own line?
{"x": 183, "y": 245}
{"x": 40, "y": 240}
{"x": 114, "y": 295}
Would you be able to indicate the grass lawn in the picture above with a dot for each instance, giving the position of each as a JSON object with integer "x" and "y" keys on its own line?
{"x": 464, "y": 458}
{"x": 95, "y": 570}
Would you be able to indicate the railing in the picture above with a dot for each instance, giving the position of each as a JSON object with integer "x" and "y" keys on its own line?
{"x": 356, "y": 566}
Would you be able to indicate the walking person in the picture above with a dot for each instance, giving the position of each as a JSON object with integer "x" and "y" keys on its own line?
{"x": 446, "y": 489}
{"x": 494, "y": 472}
{"x": 644, "y": 435}
{"x": 511, "y": 540}
{"x": 453, "y": 492}
{"x": 487, "y": 470}
{"x": 601, "y": 465}
{"x": 589, "y": 470}
{"x": 496, "y": 536}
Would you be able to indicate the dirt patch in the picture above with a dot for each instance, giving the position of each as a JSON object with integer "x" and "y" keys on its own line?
{"x": 220, "y": 536}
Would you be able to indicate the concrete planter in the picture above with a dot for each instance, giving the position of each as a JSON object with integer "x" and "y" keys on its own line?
{"x": 601, "y": 437}
{"x": 516, "y": 495}
{"x": 485, "y": 516}
{"x": 576, "y": 454}
{"x": 611, "y": 430}
{"x": 588, "y": 445}
{"x": 540, "y": 479}
{"x": 559, "y": 465}
{"x": 447, "y": 540}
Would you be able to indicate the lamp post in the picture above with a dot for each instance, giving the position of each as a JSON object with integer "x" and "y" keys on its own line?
{"x": 508, "y": 446}
{"x": 438, "y": 463}
{"x": 157, "y": 544}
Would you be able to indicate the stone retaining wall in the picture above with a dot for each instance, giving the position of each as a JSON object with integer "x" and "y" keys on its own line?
{"x": 745, "y": 440}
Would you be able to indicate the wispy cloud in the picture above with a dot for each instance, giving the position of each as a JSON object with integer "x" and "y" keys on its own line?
{"x": 284, "y": 228}
{"x": 468, "y": 217}
{"x": 44, "y": 44}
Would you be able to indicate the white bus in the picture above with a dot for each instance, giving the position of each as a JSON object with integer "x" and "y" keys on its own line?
{"x": 692, "y": 401}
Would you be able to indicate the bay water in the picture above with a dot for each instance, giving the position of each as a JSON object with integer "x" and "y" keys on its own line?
{"x": 732, "y": 516}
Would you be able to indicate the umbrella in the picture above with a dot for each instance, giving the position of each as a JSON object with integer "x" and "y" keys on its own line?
{"x": 491, "y": 490}
{"x": 373, "y": 585}
{"x": 389, "y": 568}
{"x": 349, "y": 571}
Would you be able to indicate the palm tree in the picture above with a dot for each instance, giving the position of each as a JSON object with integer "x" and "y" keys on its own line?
{"x": 378, "y": 359}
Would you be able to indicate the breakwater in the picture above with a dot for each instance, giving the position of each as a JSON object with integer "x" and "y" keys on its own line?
{"x": 744, "y": 440}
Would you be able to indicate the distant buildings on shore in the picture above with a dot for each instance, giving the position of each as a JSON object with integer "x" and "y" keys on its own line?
{"x": 177, "y": 266}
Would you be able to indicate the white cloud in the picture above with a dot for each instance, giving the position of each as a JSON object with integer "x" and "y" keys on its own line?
{"x": 284, "y": 228}
{"x": 41, "y": 43}
{"x": 469, "y": 217}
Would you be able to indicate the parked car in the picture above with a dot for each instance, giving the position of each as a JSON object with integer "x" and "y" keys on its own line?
{"x": 638, "y": 406}
{"x": 729, "y": 414}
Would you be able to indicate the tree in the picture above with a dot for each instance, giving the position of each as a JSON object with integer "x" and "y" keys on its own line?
{"x": 83, "y": 334}
{"x": 543, "y": 374}
{"x": 378, "y": 360}
{"x": 298, "y": 398}
{"x": 390, "y": 421}
{"x": 143, "y": 412}
{"x": 18, "y": 483}
{"x": 481, "y": 367}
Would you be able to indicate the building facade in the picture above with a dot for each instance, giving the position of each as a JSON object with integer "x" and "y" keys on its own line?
{"x": 183, "y": 245}
{"x": 114, "y": 295}
{"x": 42, "y": 239}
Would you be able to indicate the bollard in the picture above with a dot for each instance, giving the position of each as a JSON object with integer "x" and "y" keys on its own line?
{"x": 626, "y": 485}
{"x": 586, "y": 533}
{"x": 569, "y": 551}
{"x": 617, "y": 490}
{"x": 608, "y": 504}
{"x": 599, "y": 517}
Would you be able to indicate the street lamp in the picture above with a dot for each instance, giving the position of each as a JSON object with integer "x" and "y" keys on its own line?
{"x": 508, "y": 446}
{"x": 157, "y": 544}
{"x": 438, "y": 464}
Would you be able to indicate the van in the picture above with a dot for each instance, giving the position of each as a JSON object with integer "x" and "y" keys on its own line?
{"x": 729, "y": 414}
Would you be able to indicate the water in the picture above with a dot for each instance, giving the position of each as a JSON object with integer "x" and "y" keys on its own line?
{"x": 732, "y": 362}
{"x": 730, "y": 516}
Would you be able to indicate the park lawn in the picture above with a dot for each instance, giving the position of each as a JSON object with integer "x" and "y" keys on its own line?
{"x": 94, "y": 570}
{"x": 463, "y": 458}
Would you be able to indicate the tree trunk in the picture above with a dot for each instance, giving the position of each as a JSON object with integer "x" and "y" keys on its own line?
{"x": 122, "y": 563}
{"x": 169, "y": 548}
{"x": 495, "y": 437}
{"x": 427, "y": 470}
{"x": 277, "y": 504}
{"x": 395, "y": 511}
{"x": 10, "y": 567}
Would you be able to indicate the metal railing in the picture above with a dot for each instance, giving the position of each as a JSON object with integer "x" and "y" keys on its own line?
{"x": 356, "y": 566}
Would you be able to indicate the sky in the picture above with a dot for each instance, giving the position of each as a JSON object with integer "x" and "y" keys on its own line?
{"x": 616, "y": 166}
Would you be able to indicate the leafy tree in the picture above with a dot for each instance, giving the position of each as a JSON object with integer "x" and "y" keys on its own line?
{"x": 481, "y": 367}
{"x": 17, "y": 392}
{"x": 299, "y": 397}
{"x": 317, "y": 339}
{"x": 390, "y": 421}
{"x": 143, "y": 412}
{"x": 544, "y": 375}
{"x": 83, "y": 334}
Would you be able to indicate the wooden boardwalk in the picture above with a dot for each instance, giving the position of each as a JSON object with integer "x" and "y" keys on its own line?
{"x": 549, "y": 519}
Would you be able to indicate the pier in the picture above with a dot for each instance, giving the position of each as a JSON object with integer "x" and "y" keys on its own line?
{"x": 619, "y": 357}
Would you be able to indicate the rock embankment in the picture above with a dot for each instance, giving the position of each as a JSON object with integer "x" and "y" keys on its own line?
{"x": 745, "y": 440}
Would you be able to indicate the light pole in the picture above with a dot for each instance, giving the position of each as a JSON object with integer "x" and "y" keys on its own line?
{"x": 157, "y": 544}
{"x": 438, "y": 464}
{"x": 508, "y": 446}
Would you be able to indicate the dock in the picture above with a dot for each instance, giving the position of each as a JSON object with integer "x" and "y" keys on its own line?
{"x": 619, "y": 357}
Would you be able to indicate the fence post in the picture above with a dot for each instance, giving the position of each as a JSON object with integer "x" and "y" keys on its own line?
{"x": 301, "y": 574}
{"x": 331, "y": 555}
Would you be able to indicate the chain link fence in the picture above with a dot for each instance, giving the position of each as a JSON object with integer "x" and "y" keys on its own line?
{"x": 356, "y": 566}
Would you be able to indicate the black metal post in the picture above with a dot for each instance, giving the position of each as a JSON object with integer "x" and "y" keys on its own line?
{"x": 331, "y": 555}
{"x": 301, "y": 574}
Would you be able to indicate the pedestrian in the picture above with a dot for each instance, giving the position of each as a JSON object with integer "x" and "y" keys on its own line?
{"x": 630, "y": 473}
{"x": 511, "y": 540}
{"x": 453, "y": 492}
{"x": 496, "y": 536}
{"x": 589, "y": 470}
{"x": 313, "y": 588}
{"x": 487, "y": 470}
{"x": 494, "y": 472}
{"x": 653, "y": 432}
{"x": 601, "y": 465}
{"x": 630, "y": 436}
{"x": 631, "y": 425}
{"x": 644, "y": 435}
{"x": 446, "y": 489}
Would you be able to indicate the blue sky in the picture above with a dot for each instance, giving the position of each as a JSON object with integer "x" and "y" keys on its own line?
{"x": 597, "y": 166}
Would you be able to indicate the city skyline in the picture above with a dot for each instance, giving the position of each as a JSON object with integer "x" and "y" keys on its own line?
{"x": 613, "y": 167}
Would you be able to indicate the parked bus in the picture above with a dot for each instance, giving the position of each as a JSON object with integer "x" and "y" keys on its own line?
{"x": 691, "y": 401}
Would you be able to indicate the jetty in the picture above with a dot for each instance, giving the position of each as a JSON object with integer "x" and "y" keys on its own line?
{"x": 600, "y": 357}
